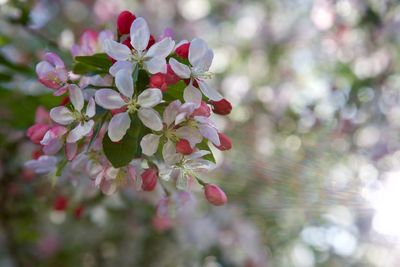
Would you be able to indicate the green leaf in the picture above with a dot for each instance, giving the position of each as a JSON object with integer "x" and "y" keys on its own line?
{"x": 90, "y": 65}
{"x": 205, "y": 146}
{"x": 142, "y": 80}
{"x": 175, "y": 91}
{"x": 122, "y": 152}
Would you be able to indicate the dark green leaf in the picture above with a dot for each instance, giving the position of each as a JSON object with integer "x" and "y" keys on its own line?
{"x": 175, "y": 91}
{"x": 204, "y": 146}
{"x": 91, "y": 65}
{"x": 122, "y": 152}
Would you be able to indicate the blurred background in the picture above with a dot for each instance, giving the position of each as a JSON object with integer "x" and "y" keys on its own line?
{"x": 314, "y": 175}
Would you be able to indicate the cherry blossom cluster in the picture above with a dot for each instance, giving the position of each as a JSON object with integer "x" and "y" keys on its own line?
{"x": 135, "y": 110}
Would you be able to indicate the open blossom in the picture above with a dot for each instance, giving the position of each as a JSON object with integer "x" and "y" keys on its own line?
{"x": 126, "y": 98}
{"x": 187, "y": 166}
{"x": 172, "y": 130}
{"x": 52, "y": 72}
{"x": 200, "y": 59}
{"x": 90, "y": 43}
{"x": 78, "y": 118}
{"x": 153, "y": 59}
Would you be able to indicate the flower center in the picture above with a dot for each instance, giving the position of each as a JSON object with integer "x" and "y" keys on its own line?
{"x": 132, "y": 106}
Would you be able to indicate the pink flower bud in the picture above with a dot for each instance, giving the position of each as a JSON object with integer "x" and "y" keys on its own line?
{"x": 149, "y": 179}
{"x": 226, "y": 142}
{"x": 124, "y": 22}
{"x": 221, "y": 107}
{"x": 204, "y": 110}
{"x": 183, "y": 50}
{"x": 51, "y": 71}
{"x": 183, "y": 147}
{"x": 36, "y": 132}
{"x": 215, "y": 195}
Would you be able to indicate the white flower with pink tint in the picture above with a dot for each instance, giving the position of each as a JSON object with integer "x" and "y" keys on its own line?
{"x": 78, "y": 118}
{"x": 172, "y": 131}
{"x": 126, "y": 99}
{"x": 52, "y": 73}
{"x": 188, "y": 167}
{"x": 153, "y": 60}
{"x": 200, "y": 59}
{"x": 90, "y": 43}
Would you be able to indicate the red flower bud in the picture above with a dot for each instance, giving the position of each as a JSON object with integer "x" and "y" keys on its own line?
{"x": 221, "y": 107}
{"x": 124, "y": 22}
{"x": 204, "y": 110}
{"x": 215, "y": 195}
{"x": 149, "y": 179}
{"x": 183, "y": 50}
{"x": 226, "y": 143}
{"x": 158, "y": 81}
{"x": 61, "y": 203}
{"x": 183, "y": 147}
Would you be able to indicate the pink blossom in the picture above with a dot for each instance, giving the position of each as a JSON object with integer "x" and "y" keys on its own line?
{"x": 52, "y": 72}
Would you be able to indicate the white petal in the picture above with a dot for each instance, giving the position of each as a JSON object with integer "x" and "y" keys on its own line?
{"x": 116, "y": 50}
{"x": 80, "y": 131}
{"x": 189, "y": 133}
{"x": 197, "y": 50}
{"x": 76, "y": 97}
{"x": 182, "y": 182}
{"x": 150, "y": 97}
{"x": 149, "y": 144}
{"x": 180, "y": 118}
{"x": 192, "y": 95}
{"x": 169, "y": 153}
{"x": 180, "y": 69}
{"x": 140, "y": 34}
{"x": 162, "y": 48}
{"x": 150, "y": 118}
{"x": 91, "y": 108}
{"x": 61, "y": 115}
{"x": 210, "y": 133}
{"x": 201, "y": 164}
{"x": 109, "y": 99}
{"x": 155, "y": 65}
{"x": 209, "y": 92}
{"x": 121, "y": 65}
{"x": 204, "y": 63}
{"x": 118, "y": 126}
{"x": 197, "y": 154}
{"x": 171, "y": 111}
{"x": 124, "y": 82}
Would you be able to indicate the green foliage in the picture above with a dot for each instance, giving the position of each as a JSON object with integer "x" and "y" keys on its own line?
{"x": 122, "y": 152}
{"x": 175, "y": 91}
{"x": 91, "y": 65}
{"x": 205, "y": 146}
